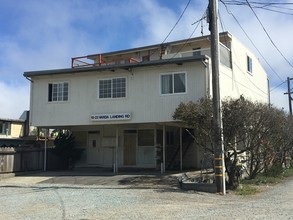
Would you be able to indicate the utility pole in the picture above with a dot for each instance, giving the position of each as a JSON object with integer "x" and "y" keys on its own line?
{"x": 217, "y": 119}
{"x": 289, "y": 95}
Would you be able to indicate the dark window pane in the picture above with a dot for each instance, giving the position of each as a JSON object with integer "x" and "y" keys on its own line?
{"x": 166, "y": 84}
{"x": 179, "y": 83}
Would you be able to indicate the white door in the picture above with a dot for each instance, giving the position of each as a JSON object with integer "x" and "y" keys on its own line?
{"x": 94, "y": 148}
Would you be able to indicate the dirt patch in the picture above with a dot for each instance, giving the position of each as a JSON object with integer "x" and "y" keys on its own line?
{"x": 151, "y": 181}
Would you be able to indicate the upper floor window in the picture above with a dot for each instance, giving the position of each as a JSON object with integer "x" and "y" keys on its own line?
{"x": 249, "y": 64}
{"x": 58, "y": 92}
{"x": 112, "y": 88}
{"x": 5, "y": 128}
{"x": 173, "y": 83}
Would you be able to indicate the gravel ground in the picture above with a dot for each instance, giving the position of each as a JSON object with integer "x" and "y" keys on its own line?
{"x": 71, "y": 201}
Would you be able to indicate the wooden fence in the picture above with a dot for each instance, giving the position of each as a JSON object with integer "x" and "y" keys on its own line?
{"x": 22, "y": 159}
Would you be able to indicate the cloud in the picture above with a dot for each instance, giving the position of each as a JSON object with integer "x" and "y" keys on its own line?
{"x": 278, "y": 27}
{"x": 14, "y": 99}
{"x": 158, "y": 20}
{"x": 38, "y": 35}
{"x": 280, "y": 100}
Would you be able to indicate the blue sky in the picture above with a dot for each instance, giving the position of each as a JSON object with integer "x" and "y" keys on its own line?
{"x": 38, "y": 35}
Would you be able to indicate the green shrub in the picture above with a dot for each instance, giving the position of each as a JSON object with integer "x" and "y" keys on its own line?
{"x": 246, "y": 190}
{"x": 65, "y": 148}
{"x": 275, "y": 171}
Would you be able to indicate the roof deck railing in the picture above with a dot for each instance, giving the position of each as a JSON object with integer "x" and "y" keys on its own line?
{"x": 100, "y": 60}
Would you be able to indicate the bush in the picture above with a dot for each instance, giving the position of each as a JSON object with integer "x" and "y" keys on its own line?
{"x": 275, "y": 171}
{"x": 65, "y": 148}
{"x": 246, "y": 190}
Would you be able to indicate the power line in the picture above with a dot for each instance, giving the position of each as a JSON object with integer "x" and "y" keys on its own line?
{"x": 173, "y": 27}
{"x": 280, "y": 12}
{"x": 177, "y": 21}
{"x": 229, "y": 12}
{"x": 278, "y": 86}
{"x": 273, "y": 7}
{"x": 243, "y": 2}
{"x": 187, "y": 40}
{"x": 268, "y": 35}
{"x": 222, "y": 26}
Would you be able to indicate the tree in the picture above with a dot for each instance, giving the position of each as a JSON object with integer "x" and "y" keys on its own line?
{"x": 255, "y": 134}
{"x": 65, "y": 148}
{"x": 252, "y": 129}
{"x": 198, "y": 116}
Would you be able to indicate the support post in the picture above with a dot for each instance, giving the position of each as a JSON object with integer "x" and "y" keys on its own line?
{"x": 116, "y": 150}
{"x": 181, "y": 146}
{"x": 45, "y": 152}
{"x": 164, "y": 148}
{"x": 217, "y": 120}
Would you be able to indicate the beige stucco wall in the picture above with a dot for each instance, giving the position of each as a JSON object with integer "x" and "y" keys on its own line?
{"x": 16, "y": 131}
{"x": 143, "y": 100}
{"x": 238, "y": 81}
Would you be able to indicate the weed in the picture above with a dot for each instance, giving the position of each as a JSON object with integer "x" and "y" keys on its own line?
{"x": 246, "y": 190}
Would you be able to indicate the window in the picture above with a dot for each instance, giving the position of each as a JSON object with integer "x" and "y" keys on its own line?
{"x": 112, "y": 88}
{"x": 197, "y": 51}
{"x": 146, "y": 137}
{"x": 249, "y": 64}
{"x": 58, "y": 92}
{"x": 145, "y": 58}
{"x": 5, "y": 128}
{"x": 173, "y": 83}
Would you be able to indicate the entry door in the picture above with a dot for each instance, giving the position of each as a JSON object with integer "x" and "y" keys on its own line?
{"x": 129, "y": 152}
{"x": 94, "y": 148}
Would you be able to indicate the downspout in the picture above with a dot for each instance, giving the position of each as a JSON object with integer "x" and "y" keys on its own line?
{"x": 206, "y": 64}
{"x": 164, "y": 149}
{"x": 31, "y": 102}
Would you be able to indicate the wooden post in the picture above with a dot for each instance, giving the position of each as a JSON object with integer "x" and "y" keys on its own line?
{"x": 217, "y": 119}
{"x": 181, "y": 145}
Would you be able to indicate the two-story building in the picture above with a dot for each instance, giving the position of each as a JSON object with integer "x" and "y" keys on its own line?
{"x": 119, "y": 105}
{"x": 12, "y": 131}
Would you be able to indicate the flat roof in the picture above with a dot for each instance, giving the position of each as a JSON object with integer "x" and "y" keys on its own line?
{"x": 28, "y": 74}
{"x": 12, "y": 120}
{"x": 115, "y": 66}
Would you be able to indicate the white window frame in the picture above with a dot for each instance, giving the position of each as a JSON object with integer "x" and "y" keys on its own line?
{"x": 173, "y": 82}
{"x": 249, "y": 64}
{"x": 60, "y": 97}
{"x": 104, "y": 98}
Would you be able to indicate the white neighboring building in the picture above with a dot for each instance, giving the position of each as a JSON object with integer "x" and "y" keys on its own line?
{"x": 120, "y": 104}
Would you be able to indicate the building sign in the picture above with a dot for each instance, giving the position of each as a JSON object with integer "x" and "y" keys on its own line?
{"x": 111, "y": 117}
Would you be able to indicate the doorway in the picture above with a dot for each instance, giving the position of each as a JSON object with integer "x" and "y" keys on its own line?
{"x": 129, "y": 151}
{"x": 94, "y": 148}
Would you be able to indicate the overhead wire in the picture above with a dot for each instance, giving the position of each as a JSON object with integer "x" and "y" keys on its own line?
{"x": 187, "y": 40}
{"x": 172, "y": 29}
{"x": 271, "y": 40}
{"x": 278, "y": 86}
{"x": 176, "y": 22}
{"x": 269, "y": 6}
{"x": 243, "y": 2}
{"x": 229, "y": 12}
{"x": 257, "y": 87}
